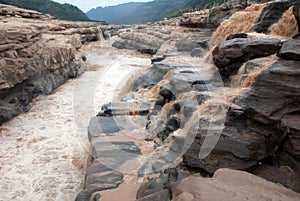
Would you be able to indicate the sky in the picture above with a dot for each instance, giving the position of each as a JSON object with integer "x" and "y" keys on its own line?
{"x": 86, "y": 5}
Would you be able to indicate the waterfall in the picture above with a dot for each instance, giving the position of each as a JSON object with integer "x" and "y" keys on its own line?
{"x": 239, "y": 22}
{"x": 287, "y": 25}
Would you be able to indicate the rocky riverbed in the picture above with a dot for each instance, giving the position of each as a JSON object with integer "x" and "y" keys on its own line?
{"x": 210, "y": 109}
{"x": 205, "y": 113}
{"x": 44, "y": 151}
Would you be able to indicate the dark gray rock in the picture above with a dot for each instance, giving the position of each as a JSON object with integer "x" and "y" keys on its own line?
{"x": 235, "y": 150}
{"x": 285, "y": 159}
{"x": 185, "y": 81}
{"x": 237, "y": 35}
{"x": 198, "y": 52}
{"x": 107, "y": 126}
{"x": 296, "y": 12}
{"x": 151, "y": 187}
{"x": 230, "y": 55}
{"x": 163, "y": 195}
{"x": 158, "y": 58}
{"x": 291, "y": 144}
{"x": 276, "y": 120}
{"x": 156, "y": 74}
{"x": 124, "y": 108}
{"x": 270, "y": 15}
{"x": 100, "y": 126}
{"x": 186, "y": 45}
{"x": 99, "y": 178}
{"x": 283, "y": 175}
{"x": 115, "y": 154}
{"x": 203, "y": 43}
{"x": 18, "y": 98}
{"x": 250, "y": 66}
{"x": 290, "y": 50}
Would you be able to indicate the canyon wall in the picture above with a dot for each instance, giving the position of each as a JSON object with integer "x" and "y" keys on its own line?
{"x": 37, "y": 54}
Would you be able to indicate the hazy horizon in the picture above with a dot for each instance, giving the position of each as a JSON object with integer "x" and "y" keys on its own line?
{"x": 88, "y": 5}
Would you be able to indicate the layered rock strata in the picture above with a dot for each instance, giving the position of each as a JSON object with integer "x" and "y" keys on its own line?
{"x": 37, "y": 54}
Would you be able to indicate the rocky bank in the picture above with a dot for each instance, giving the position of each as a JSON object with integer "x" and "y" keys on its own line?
{"x": 37, "y": 54}
{"x": 207, "y": 103}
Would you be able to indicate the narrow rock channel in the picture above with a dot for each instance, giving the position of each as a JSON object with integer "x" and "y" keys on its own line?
{"x": 44, "y": 151}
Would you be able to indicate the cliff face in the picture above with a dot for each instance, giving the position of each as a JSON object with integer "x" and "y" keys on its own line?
{"x": 37, "y": 54}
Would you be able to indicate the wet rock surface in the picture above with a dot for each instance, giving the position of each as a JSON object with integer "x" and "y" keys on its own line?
{"x": 99, "y": 178}
{"x": 146, "y": 39}
{"x": 258, "y": 134}
{"x": 182, "y": 113}
{"x": 230, "y": 55}
{"x": 235, "y": 150}
{"x": 290, "y": 50}
{"x": 156, "y": 74}
{"x": 18, "y": 99}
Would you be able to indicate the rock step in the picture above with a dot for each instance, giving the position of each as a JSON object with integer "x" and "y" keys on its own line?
{"x": 108, "y": 126}
{"x": 124, "y": 108}
{"x": 231, "y": 185}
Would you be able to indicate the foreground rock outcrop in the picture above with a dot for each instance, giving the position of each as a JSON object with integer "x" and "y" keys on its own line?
{"x": 37, "y": 54}
{"x": 231, "y": 185}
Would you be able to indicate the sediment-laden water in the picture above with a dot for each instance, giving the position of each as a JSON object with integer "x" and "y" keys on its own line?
{"x": 44, "y": 151}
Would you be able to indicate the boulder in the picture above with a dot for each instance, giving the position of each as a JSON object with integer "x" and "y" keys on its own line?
{"x": 204, "y": 43}
{"x": 276, "y": 120}
{"x": 184, "y": 81}
{"x": 228, "y": 56}
{"x": 198, "y": 52}
{"x": 186, "y": 45}
{"x": 231, "y": 185}
{"x": 234, "y": 149}
{"x": 290, "y": 49}
{"x": 156, "y": 74}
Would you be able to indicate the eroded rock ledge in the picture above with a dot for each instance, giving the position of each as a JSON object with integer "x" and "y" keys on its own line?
{"x": 37, "y": 54}
{"x": 254, "y": 117}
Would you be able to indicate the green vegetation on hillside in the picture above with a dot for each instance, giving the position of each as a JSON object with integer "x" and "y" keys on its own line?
{"x": 192, "y": 5}
{"x": 134, "y": 13}
{"x": 113, "y": 14}
{"x": 60, "y": 11}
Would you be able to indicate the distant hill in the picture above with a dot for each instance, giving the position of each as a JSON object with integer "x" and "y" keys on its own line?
{"x": 60, "y": 11}
{"x": 135, "y": 13}
{"x": 113, "y": 14}
{"x": 154, "y": 11}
